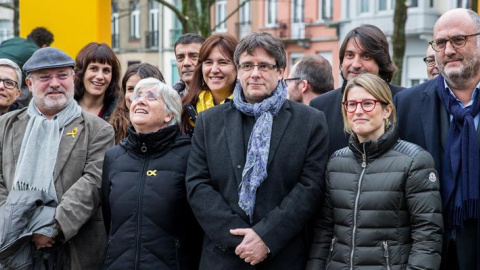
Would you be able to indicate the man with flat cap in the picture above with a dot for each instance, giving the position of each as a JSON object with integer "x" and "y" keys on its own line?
{"x": 54, "y": 147}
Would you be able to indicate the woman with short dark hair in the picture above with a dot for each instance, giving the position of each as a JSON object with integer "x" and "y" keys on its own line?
{"x": 97, "y": 76}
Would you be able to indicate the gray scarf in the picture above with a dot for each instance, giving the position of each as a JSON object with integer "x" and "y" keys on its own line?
{"x": 40, "y": 144}
{"x": 255, "y": 170}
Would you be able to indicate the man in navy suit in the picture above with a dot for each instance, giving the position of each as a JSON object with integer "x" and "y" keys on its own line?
{"x": 441, "y": 115}
{"x": 256, "y": 167}
{"x": 365, "y": 49}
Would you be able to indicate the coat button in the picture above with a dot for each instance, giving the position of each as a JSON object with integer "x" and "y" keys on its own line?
{"x": 239, "y": 166}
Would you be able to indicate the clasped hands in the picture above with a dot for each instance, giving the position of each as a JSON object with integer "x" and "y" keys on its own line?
{"x": 252, "y": 249}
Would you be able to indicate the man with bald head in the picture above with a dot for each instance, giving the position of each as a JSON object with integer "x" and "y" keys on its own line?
{"x": 442, "y": 116}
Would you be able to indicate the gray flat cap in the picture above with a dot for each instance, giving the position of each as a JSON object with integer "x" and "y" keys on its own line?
{"x": 48, "y": 57}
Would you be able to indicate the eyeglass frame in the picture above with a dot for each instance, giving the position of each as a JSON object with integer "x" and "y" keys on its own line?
{"x": 135, "y": 96}
{"x": 268, "y": 66}
{"x": 15, "y": 84}
{"x": 375, "y": 101}
{"x": 50, "y": 77}
{"x": 433, "y": 43}
{"x": 288, "y": 80}
{"x": 429, "y": 61}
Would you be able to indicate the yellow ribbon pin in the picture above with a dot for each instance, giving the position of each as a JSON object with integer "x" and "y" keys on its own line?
{"x": 152, "y": 173}
{"x": 74, "y": 131}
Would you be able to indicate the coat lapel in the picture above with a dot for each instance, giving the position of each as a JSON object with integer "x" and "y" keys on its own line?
{"x": 19, "y": 128}
{"x": 280, "y": 123}
{"x": 430, "y": 117}
{"x": 70, "y": 135}
{"x": 236, "y": 147}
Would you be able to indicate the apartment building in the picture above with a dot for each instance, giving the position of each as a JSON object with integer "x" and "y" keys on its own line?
{"x": 305, "y": 26}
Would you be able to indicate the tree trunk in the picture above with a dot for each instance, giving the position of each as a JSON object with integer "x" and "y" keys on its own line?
{"x": 16, "y": 18}
{"x": 398, "y": 38}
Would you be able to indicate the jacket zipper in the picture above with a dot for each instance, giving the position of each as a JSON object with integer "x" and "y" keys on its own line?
{"x": 331, "y": 253}
{"x": 386, "y": 254}
{"x": 355, "y": 210}
{"x": 139, "y": 206}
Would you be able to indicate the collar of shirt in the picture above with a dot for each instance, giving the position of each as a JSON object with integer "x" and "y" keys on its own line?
{"x": 476, "y": 118}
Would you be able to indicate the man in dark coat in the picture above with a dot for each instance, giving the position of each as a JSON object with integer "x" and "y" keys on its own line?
{"x": 441, "y": 115}
{"x": 256, "y": 167}
{"x": 365, "y": 49}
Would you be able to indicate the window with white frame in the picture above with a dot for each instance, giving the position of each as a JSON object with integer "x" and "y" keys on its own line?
{"x": 114, "y": 25}
{"x": 153, "y": 18}
{"x": 326, "y": 9}
{"x": 6, "y": 30}
{"x": 271, "y": 12}
{"x": 134, "y": 20}
{"x": 385, "y": 5}
{"x": 462, "y": 3}
{"x": 220, "y": 15}
{"x": 412, "y": 3}
{"x": 245, "y": 13}
{"x": 297, "y": 11}
{"x": 364, "y": 6}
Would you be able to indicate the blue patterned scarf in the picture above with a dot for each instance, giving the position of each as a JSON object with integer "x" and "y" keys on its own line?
{"x": 255, "y": 170}
{"x": 460, "y": 174}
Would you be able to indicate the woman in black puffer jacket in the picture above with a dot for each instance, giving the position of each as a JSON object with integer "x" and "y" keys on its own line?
{"x": 383, "y": 206}
{"x": 149, "y": 222}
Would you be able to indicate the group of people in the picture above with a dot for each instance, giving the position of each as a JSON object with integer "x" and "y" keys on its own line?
{"x": 229, "y": 169}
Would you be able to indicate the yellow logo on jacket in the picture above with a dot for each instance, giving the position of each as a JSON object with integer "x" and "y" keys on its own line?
{"x": 152, "y": 173}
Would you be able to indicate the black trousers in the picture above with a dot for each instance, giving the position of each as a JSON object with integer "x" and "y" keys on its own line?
{"x": 461, "y": 253}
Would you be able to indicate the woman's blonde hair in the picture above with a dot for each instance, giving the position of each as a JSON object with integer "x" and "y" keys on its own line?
{"x": 376, "y": 87}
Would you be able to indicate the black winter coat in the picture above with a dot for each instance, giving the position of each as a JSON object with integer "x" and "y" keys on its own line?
{"x": 382, "y": 208}
{"x": 148, "y": 220}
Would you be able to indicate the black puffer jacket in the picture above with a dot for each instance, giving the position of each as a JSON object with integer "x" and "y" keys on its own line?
{"x": 149, "y": 222}
{"x": 382, "y": 199}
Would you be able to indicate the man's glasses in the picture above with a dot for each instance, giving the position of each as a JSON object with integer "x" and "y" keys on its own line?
{"x": 265, "y": 67}
{"x": 367, "y": 105}
{"x": 457, "y": 42}
{"x": 48, "y": 77}
{"x": 150, "y": 96}
{"x": 429, "y": 61}
{"x": 288, "y": 80}
{"x": 9, "y": 84}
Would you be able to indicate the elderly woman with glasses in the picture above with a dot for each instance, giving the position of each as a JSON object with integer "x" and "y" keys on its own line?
{"x": 149, "y": 222}
{"x": 382, "y": 208}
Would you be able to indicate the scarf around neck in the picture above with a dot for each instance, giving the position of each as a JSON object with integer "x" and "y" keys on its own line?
{"x": 460, "y": 174}
{"x": 205, "y": 101}
{"x": 255, "y": 170}
{"x": 40, "y": 144}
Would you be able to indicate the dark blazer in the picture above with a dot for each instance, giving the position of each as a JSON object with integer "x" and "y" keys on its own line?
{"x": 330, "y": 104}
{"x": 287, "y": 199}
{"x": 419, "y": 118}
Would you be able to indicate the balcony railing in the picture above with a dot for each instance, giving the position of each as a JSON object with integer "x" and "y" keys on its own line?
{"x": 287, "y": 30}
{"x": 152, "y": 39}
